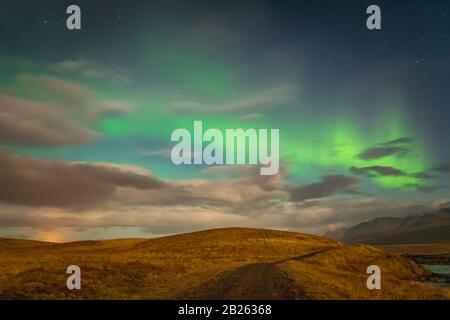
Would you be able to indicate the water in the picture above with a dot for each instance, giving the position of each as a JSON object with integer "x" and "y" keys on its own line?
{"x": 438, "y": 268}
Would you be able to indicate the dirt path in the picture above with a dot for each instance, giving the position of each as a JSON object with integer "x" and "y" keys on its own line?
{"x": 259, "y": 281}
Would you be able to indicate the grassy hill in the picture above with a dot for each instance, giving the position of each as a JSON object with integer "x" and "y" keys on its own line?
{"x": 231, "y": 263}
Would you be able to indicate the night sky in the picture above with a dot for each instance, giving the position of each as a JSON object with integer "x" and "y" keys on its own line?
{"x": 86, "y": 115}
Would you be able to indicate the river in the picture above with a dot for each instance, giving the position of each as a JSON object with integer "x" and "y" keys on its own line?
{"x": 443, "y": 269}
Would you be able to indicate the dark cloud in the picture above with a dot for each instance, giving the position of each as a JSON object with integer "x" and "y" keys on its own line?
{"x": 55, "y": 183}
{"x": 403, "y": 140}
{"x": 32, "y": 123}
{"x": 376, "y": 171}
{"x": 328, "y": 186}
{"x": 34, "y": 182}
{"x": 444, "y": 168}
{"x": 445, "y": 205}
{"x": 422, "y": 175}
{"x": 87, "y": 68}
{"x": 396, "y": 147}
{"x": 430, "y": 188}
{"x": 380, "y": 152}
{"x": 76, "y": 100}
{"x": 383, "y": 171}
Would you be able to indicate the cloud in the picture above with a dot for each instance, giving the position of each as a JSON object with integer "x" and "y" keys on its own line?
{"x": 54, "y": 194}
{"x": 251, "y": 116}
{"x": 73, "y": 67}
{"x": 422, "y": 175}
{"x": 32, "y": 123}
{"x": 62, "y": 119}
{"x": 269, "y": 98}
{"x": 386, "y": 171}
{"x": 328, "y": 186}
{"x": 78, "y": 185}
{"x": 376, "y": 171}
{"x": 397, "y": 147}
{"x": 312, "y": 216}
{"x": 155, "y": 152}
{"x": 77, "y": 100}
{"x": 443, "y": 168}
{"x": 430, "y": 188}
{"x": 321, "y": 215}
{"x": 87, "y": 68}
{"x": 444, "y": 204}
{"x": 55, "y": 183}
{"x": 150, "y": 219}
{"x": 403, "y": 140}
{"x": 238, "y": 189}
{"x": 83, "y": 198}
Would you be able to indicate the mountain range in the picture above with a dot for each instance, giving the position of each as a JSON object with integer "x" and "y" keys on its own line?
{"x": 424, "y": 228}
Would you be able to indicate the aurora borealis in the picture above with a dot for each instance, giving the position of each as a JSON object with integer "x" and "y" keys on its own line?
{"x": 86, "y": 116}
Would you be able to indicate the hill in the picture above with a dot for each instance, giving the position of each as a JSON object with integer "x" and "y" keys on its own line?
{"x": 230, "y": 263}
{"x": 427, "y": 228}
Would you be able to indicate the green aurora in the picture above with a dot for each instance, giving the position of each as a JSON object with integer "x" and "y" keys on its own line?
{"x": 369, "y": 106}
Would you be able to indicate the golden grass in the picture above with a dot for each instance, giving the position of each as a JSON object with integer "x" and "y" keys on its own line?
{"x": 168, "y": 267}
{"x": 341, "y": 274}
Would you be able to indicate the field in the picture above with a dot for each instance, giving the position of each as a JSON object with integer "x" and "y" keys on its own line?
{"x": 231, "y": 263}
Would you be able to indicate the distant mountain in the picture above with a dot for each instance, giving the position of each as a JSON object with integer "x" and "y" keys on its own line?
{"x": 425, "y": 228}
{"x": 336, "y": 234}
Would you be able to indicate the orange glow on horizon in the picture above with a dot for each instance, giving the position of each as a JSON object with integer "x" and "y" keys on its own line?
{"x": 50, "y": 236}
